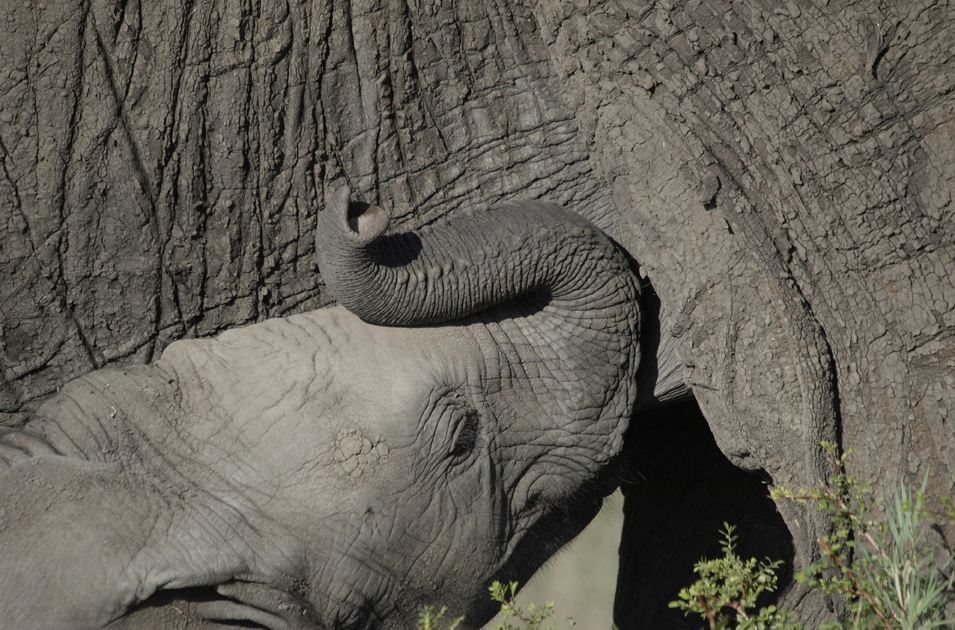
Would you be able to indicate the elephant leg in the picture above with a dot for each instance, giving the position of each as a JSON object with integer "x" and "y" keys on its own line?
{"x": 270, "y": 607}
{"x": 673, "y": 517}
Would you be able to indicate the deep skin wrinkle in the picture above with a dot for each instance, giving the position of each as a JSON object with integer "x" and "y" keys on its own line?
{"x": 337, "y": 470}
{"x": 247, "y": 503}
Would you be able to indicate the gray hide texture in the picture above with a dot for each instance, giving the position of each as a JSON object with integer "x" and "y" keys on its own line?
{"x": 322, "y": 471}
{"x": 783, "y": 172}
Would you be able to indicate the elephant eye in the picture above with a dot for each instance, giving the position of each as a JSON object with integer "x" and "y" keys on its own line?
{"x": 465, "y": 437}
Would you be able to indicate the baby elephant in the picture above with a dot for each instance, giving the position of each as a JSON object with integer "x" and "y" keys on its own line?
{"x": 454, "y": 421}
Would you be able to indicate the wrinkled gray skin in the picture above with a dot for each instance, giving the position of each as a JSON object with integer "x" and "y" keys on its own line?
{"x": 456, "y": 424}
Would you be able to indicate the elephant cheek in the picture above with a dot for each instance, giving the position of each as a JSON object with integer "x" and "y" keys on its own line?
{"x": 457, "y": 539}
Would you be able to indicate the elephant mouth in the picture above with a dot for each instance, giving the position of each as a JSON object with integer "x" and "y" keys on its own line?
{"x": 549, "y": 526}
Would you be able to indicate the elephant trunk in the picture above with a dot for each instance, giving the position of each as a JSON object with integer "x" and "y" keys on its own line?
{"x": 569, "y": 300}
{"x": 464, "y": 265}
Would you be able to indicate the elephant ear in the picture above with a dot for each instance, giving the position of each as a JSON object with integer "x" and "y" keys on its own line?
{"x": 573, "y": 281}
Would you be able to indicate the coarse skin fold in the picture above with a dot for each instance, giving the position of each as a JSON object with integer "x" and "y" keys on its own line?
{"x": 472, "y": 262}
{"x": 574, "y": 289}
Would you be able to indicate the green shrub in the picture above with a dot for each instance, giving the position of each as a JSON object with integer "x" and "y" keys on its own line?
{"x": 727, "y": 589}
{"x": 430, "y": 620}
{"x": 532, "y": 619}
{"x": 888, "y": 576}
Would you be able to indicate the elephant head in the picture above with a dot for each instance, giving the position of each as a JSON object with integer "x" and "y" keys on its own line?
{"x": 454, "y": 421}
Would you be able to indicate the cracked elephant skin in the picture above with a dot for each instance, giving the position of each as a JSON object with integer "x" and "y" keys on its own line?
{"x": 455, "y": 420}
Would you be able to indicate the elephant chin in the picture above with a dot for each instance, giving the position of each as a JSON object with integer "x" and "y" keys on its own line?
{"x": 554, "y": 529}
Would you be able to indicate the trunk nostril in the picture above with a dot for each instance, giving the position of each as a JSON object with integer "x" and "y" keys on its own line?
{"x": 366, "y": 221}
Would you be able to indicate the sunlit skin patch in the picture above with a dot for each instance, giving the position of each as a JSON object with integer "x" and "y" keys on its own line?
{"x": 351, "y": 465}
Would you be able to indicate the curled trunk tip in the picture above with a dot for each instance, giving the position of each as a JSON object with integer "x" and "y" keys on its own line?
{"x": 359, "y": 222}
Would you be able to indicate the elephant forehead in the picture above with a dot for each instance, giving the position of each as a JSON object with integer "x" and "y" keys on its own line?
{"x": 342, "y": 388}
{"x": 324, "y": 363}
{"x": 386, "y": 375}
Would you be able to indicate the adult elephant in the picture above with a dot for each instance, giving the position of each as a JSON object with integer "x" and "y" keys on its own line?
{"x": 782, "y": 173}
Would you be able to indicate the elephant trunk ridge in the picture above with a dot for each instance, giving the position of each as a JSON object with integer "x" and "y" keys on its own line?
{"x": 473, "y": 262}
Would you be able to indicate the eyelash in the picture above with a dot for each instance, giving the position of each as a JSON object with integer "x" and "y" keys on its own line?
{"x": 466, "y": 436}
{"x": 462, "y": 421}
